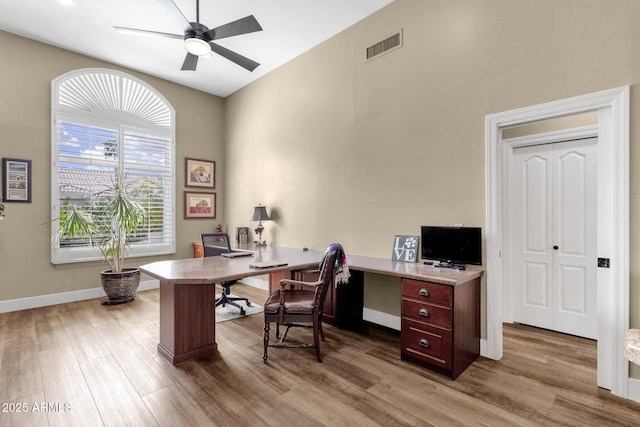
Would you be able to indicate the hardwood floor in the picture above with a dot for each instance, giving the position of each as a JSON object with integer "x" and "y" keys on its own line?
{"x": 90, "y": 365}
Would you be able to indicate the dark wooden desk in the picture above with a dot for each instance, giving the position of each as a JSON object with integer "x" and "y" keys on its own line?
{"x": 187, "y": 292}
{"x": 440, "y": 319}
{"x": 440, "y": 307}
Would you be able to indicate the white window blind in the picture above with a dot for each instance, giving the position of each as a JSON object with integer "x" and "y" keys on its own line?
{"x": 93, "y": 150}
{"x": 148, "y": 168}
{"x": 87, "y": 166}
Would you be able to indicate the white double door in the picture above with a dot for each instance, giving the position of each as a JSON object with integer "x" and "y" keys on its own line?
{"x": 554, "y": 232}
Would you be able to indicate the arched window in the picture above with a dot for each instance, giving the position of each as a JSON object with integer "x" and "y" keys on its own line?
{"x": 109, "y": 127}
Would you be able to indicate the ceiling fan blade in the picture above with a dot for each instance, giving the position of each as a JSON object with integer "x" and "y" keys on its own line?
{"x": 234, "y": 57}
{"x": 245, "y": 25}
{"x": 190, "y": 62}
{"x": 138, "y": 32}
{"x": 176, "y": 12}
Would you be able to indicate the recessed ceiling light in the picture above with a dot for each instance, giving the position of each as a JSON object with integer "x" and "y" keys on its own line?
{"x": 67, "y": 2}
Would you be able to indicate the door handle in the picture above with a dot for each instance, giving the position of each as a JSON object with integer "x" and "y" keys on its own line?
{"x": 555, "y": 248}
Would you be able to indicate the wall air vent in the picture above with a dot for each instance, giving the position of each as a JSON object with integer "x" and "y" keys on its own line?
{"x": 390, "y": 43}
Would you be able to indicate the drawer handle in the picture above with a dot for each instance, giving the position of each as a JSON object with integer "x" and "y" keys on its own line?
{"x": 424, "y": 343}
{"x": 424, "y": 312}
{"x": 424, "y": 292}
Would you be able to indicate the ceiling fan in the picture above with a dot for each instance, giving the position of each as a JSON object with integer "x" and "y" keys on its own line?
{"x": 198, "y": 38}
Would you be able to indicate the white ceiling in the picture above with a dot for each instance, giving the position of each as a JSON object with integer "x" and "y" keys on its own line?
{"x": 290, "y": 27}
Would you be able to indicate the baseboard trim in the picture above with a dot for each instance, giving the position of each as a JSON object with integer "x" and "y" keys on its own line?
{"x": 256, "y": 282}
{"x": 634, "y": 390}
{"x": 380, "y": 318}
{"x": 484, "y": 349}
{"x": 64, "y": 297}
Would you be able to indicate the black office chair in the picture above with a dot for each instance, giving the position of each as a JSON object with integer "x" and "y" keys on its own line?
{"x": 216, "y": 244}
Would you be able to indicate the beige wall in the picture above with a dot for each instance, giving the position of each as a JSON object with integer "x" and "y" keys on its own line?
{"x": 339, "y": 149}
{"x": 355, "y": 152}
{"x": 25, "y": 133}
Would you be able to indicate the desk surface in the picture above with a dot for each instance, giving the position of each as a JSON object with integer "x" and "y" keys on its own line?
{"x": 217, "y": 269}
{"x": 412, "y": 270}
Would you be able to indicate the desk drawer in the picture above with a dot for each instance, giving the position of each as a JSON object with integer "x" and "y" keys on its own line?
{"x": 427, "y": 343}
{"x": 427, "y": 291}
{"x": 422, "y": 312}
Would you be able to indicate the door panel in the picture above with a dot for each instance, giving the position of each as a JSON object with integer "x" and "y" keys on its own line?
{"x": 571, "y": 198}
{"x": 574, "y": 225}
{"x": 536, "y": 285}
{"x": 533, "y": 257}
{"x": 535, "y": 176}
{"x": 571, "y": 290}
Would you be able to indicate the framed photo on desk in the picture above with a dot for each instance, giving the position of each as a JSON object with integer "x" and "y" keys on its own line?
{"x": 242, "y": 235}
{"x": 405, "y": 248}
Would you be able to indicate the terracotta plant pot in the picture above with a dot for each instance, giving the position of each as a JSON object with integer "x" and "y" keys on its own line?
{"x": 120, "y": 287}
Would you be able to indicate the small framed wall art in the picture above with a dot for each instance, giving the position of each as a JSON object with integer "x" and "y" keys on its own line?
{"x": 199, "y": 205}
{"x": 16, "y": 180}
{"x": 200, "y": 173}
{"x": 405, "y": 248}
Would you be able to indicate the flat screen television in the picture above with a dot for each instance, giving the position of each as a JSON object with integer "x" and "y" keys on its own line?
{"x": 453, "y": 247}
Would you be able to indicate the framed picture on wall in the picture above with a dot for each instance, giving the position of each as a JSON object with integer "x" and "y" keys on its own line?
{"x": 16, "y": 180}
{"x": 199, "y": 205}
{"x": 200, "y": 173}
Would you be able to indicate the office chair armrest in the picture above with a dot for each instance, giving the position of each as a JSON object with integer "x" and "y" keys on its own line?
{"x": 287, "y": 285}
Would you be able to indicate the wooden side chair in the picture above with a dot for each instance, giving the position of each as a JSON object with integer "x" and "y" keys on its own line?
{"x": 300, "y": 304}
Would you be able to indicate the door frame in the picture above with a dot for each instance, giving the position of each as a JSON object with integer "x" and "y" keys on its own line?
{"x": 612, "y": 107}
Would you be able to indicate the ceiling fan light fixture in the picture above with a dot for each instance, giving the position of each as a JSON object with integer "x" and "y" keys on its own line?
{"x": 198, "y": 38}
{"x": 196, "y": 46}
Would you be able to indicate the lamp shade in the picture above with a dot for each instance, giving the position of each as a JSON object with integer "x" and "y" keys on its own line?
{"x": 260, "y": 214}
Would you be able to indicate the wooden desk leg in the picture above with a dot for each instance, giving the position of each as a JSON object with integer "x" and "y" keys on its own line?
{"x": 187, "y": 321}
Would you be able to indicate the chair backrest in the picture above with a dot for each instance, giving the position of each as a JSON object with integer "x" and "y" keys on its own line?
{"x": 326, "y": 277}
{"x": 215, "y": 244}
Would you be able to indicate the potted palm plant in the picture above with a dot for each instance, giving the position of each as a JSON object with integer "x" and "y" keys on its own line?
{"x": 116, "y": 218}
{"x": 1, "y": 209}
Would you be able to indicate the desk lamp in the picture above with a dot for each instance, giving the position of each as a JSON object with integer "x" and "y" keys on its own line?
{"x": 260, "y": 214}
